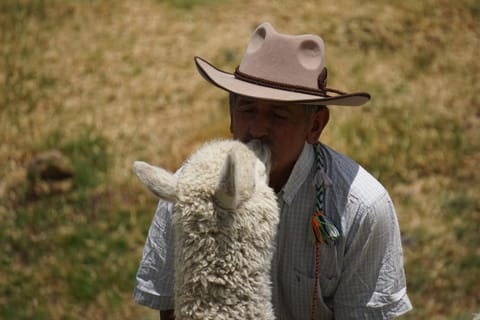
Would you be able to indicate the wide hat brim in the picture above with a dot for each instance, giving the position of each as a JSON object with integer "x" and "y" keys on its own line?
{"x": 228, "y": 82}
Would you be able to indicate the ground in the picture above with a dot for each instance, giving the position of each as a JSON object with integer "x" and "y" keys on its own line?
{"x": 110, "y": 82}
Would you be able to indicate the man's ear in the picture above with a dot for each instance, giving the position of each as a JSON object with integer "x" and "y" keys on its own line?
{"x": 317, "y": 123}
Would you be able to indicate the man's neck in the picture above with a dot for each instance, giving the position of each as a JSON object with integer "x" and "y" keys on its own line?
{"x": 279, "y": 178}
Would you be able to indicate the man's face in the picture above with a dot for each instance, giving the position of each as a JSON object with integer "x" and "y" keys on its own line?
{"x": 283, "y": 127}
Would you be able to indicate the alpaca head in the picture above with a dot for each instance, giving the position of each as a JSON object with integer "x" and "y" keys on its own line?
{"x": 227, "y": 171}
{"x": 225, "y": 218}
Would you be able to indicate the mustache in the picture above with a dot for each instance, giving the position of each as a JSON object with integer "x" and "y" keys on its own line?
{"x": 262, "y": 150}
{"x": 266, "y": 141}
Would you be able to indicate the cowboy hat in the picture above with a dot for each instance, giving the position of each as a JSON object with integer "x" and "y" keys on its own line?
{"x": 283, "y": 68}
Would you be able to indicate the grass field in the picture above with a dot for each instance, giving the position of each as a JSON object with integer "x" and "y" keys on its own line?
{"x": 110, "y": 82}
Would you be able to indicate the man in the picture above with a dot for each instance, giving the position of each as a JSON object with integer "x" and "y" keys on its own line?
{"x": 338, "y": 249}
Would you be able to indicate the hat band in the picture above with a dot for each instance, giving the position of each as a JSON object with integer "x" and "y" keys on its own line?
{"x": 284, "y": 86}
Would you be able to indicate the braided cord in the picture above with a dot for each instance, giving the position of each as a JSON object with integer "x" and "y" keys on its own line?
{"x": 322, "y": 228}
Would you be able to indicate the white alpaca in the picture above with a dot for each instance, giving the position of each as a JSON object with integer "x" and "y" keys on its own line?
{"x": 225, "y": 221}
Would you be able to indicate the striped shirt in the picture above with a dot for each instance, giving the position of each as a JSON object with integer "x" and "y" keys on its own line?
{"x": 361, "y": 277}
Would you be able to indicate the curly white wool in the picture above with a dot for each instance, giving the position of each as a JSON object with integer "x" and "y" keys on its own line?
{"x": 225, "y": 221}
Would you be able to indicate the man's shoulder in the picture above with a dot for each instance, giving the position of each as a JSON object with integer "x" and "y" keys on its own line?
{"x": 352, "y": 178}
{"x": 367, "y": 188}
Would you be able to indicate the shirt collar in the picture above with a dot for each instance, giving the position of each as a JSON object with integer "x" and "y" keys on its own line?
{"x": 299, "y": 173}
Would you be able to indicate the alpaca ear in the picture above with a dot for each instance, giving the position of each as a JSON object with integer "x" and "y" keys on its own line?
{"x": 226, "y": 194}
{"x": 236, "y": 181}
{"x": 159, "y": 181}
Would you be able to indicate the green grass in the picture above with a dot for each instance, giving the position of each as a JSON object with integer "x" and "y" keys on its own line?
{"x": 189, "y": 4}
{"x": 109, "y": 82}
{"x": 89, "y": 153}
{"x": 75, "y": 246}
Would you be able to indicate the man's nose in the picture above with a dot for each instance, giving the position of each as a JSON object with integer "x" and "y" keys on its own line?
{"x": 260, "y": 126}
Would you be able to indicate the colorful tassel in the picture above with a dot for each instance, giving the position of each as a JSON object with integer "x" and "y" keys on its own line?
{"x": 323, "y": 230}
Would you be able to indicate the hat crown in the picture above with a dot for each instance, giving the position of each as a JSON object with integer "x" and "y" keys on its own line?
{"x": 292, "y": 60}
{"x": 283, "y": 68}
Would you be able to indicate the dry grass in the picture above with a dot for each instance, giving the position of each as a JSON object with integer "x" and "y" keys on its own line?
{"x": 123, "y": 71}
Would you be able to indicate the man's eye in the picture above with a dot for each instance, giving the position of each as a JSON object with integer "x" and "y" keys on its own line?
{"x": 280, "y": 116}
{"x": 245, "y": 109}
